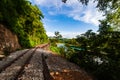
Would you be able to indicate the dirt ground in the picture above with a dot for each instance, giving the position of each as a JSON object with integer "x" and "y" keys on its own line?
{"x": 61, "y": 69}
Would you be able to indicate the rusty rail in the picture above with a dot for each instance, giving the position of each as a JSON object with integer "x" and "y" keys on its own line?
{"x": 43, "y": 46}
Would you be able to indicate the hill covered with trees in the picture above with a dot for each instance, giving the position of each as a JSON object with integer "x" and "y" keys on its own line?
{"x": 24, "y": 20}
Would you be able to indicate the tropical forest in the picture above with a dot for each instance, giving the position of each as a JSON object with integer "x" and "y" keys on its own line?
{"x": 95, "y": 52}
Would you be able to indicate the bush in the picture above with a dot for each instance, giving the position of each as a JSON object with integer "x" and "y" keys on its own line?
{"x": 55, "y": 49}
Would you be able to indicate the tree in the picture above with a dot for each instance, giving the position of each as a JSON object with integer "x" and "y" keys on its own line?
{"x": 23, "y": 19}
{"x": 58, "y": 35}
{"x": 104, "y": 45}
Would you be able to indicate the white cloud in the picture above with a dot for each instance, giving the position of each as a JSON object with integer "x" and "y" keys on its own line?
{"x": 87, "y": 14}
{"x": 65, "y": 34}
{"x": 73, "y": 9}
{"x": 70, "y": 34}
{"x": 50, "y": 33}
{"x": 48, "y": 3}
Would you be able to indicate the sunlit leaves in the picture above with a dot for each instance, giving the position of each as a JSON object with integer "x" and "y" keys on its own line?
{"x": 24, "y": 19}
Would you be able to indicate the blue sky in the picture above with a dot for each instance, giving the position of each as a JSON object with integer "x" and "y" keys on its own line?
{"x": 70, "y": 19}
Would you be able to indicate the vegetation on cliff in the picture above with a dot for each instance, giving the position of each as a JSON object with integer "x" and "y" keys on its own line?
{"x": 23, "y": 19}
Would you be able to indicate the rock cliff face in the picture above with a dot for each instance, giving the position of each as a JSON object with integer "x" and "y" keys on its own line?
{"x": 8, "y": 40}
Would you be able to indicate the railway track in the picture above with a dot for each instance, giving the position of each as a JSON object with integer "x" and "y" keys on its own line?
{"x": 26, "y": 64}
{"x": 39, "y": 64}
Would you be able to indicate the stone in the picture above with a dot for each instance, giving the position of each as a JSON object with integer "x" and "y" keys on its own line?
{"x": 8, "y": 40}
